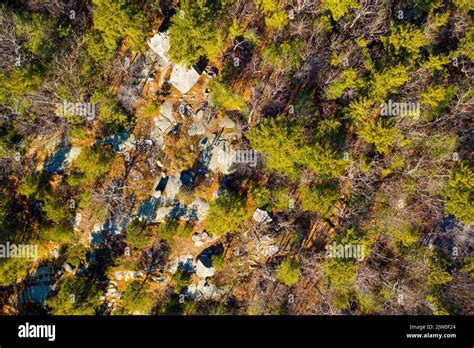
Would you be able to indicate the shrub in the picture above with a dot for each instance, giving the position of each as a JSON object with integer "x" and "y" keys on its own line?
{"x": 319, "y": 199}
{"x": 274, "y": 17}
{"x": 288, "y": 271}
{"x": 281, "y": 142}
{"x": 137, "y": 298}
{"x": 384, "y": 138}
{"x": 340, "y": 277}
{"x": 459, "y": 195}
{"x": 13, "y": 270}
{"x": 172, "y": 228}
{"x": 195, "y": 31}
{"x": 387, "y": 82}
{"x": 180, "y": 281}
{"x": 405, "y": 40}
{"x": 138, "y": 235}
{"x": 114, "y": 21}
{"x": 56, "y": 209}
{"x": 285, "y": 56}
{"x": 281, "y": 199}
{"x": 29, "y": 185}
{"x": 261, "y": 195}
{"x": 110, "y": 115}
{"x": 226, "y": 214}
{"x": 348, "y": 80}
{"x": 75, "y": 296}
{"x": 339, "y": 8}
{"x": 286, "y": 152}
{"x": 91, "y": 164}
{"x": 225, "y": 99}
{"x": 437, "y": 98}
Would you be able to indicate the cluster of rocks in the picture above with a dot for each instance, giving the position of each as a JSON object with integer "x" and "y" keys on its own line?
{"x": 182, "y": 78}
{"x": 203, "y": 290}
{"x": 124, "y": 275}
{"x": 200, "y": 239}
{"x": 111, "y": 295}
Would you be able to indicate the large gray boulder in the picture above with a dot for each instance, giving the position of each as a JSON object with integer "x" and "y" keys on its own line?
{"x": 261, "y": 216}
{"x": 159, "y": 44}
{"x": 204, "y": 267}
{"x": 222, "y": 158}
{"x": 183, "y": 79}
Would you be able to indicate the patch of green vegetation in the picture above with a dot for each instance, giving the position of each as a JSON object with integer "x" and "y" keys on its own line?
{"x": 459, "y": 194}
{"x": 138, "y": 236}
{"x": 284, "y": 56}
{"x": 288, "y": 271}
{"x": 137, "y": 298}
{"x": 225, "y": 99}
{"x": 75, "y": 295}
{"x": 92, "y": 163}
{"x": 226, "y": 215}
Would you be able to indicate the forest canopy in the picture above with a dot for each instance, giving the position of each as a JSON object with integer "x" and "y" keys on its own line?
{"x": 236, "y": 157}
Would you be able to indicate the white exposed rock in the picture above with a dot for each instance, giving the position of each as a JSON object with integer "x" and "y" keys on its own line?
{"x": 265, "y": 246}
{"x": 128, "y": 144}
{"x": 186, "y": 262}
{"x": 112, "y": 292}
{"x": 184, "y": 79}
{"x": 204, "y": 290}
{"x": 196, "y": 237}
{"x": 118, "y": 275}
{"x": 199, "y": 114}
{"x": 161, "y": 213}
{"x": 261, "y": 216}
{"x": 61, "y": 157}
{"x": 172, "y": 187}
{"x": 73, "y": 153}
{"x": 166, "y": 109}
{"x": 222, "y": 158}
{"x": 40, "y": 286}
{"x": 95, "y": 236}
{"x": 52, "y": 145}
{"x": 196, "y": 128}
{"x": 165, "y": 121}
{"x": 204, "y": 267}
{"x": 226, "y": 122}
{"x": 77, "y": 221}
{"x": 272, "y": 250}
{"x": 163, "y": 124}
{"x": 124, "y": 275}
{"x": 157, "y": 136}
{"x": 98, "y": 227}
{"x": 159, "y": 44}
{"x": 68, "y": 267}
{"x": 173, "y": 266}
{"x": 197, "y": 210}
